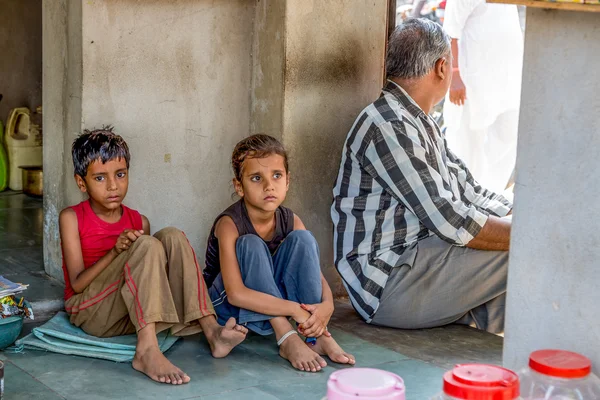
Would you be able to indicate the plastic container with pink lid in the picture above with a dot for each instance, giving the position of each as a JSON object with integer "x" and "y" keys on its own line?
{"x": 364, "y": 384}
{"x": 479, "y": 382}
{"x": 559, "y": 375}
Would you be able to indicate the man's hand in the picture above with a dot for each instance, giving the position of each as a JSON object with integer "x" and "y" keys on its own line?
{"x": 316, "y": 325}
{"x": 458, "y": 91}
{"x": 126, "y": 238}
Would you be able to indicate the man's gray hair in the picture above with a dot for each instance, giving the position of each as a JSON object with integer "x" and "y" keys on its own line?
{"x": 414, "y": 47}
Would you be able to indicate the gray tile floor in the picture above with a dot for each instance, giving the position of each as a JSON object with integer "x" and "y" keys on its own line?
{"x": 21, "y": 257}
{"x": 253, "y": 370}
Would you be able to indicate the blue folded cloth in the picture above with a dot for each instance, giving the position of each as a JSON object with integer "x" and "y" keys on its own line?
{"x": 60, "y": 336}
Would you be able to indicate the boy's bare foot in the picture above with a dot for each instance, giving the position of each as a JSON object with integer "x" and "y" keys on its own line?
{"x": 327, "y": 346}
{"x": 154, "y": 364}
{"x": 222, "y": 339}
{"x": 301, "y": 356}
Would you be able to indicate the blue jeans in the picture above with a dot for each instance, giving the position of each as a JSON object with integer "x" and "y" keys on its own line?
{"x": 292, "y": 273}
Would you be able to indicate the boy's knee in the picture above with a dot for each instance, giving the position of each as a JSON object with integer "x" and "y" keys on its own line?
{"x": 168, "y": 233}
{"x": 148, "y": 243}
{"x": 252, "y": 242}
{"x": 302, "y": 237}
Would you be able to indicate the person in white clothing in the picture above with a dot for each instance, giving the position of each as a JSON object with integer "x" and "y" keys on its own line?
{"x": 481, "y": 111}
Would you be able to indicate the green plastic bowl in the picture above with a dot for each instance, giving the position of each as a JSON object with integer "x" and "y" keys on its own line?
{"x": 10, "y": 329}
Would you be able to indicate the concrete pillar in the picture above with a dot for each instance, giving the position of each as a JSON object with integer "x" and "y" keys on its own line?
{"x": 183, "y": 81}
{"x": 62, "y": 93}
{"x": 332, "y": 54}
{"x": 554, "y": 273}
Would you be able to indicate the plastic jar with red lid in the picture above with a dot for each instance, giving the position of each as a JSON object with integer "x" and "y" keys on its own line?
{"x": 559, "y": 375}
{"x": 479, "y": 382}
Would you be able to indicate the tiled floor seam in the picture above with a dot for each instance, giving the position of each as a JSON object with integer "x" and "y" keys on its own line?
{"x": 35, "y": 379}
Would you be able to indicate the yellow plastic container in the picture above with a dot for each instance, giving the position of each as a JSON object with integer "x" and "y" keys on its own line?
{"x": 23, "y": 145}
{"x": 3, "y": 161}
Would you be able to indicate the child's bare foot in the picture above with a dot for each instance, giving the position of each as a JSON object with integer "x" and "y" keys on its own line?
{"x": 222, "y": 339}
{"x": 301, "y": 356}
{"x": 154, "y": 364}
{"x": 327, "y": 346}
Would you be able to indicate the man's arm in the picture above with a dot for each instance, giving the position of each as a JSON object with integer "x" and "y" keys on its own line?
{"x": 473, "y": 192}
{"x": 458, "y": 91}
{"x": 495, "y": 235}
{"x": 455, "y": 17}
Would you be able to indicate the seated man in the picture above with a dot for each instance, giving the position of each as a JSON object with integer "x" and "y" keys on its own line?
{"x": 418, "y": 242}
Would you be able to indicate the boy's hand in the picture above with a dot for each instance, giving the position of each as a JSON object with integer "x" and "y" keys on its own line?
{"x": 126, "y": 238}
{"x": 316, "y": 325}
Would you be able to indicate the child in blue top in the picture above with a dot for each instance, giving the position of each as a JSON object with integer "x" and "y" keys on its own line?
{"x": 262, "y": 265}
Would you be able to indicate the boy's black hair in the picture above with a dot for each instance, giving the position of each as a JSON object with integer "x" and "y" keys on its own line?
{"x": 98, "y": 144}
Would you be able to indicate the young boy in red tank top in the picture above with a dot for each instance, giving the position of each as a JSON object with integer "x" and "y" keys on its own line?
{"x": 119, "y": 279}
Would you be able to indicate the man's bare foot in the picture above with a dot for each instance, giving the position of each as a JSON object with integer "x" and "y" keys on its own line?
{"x": 300, "y": 356}
{"x": 327, "y": 346}
{"x": 154, "y": 364}
{"x": 222, "y": 339}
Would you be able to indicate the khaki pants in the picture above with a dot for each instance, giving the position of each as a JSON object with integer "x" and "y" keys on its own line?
{"x": 158, "y": 280}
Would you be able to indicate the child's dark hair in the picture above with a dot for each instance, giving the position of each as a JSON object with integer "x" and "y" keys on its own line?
{"x": 256, "y": 146}
{"x": 98, "y": 144}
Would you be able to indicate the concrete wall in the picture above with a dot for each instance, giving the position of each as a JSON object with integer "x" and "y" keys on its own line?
{"x": 334, "y": 68}
{"x": 316, "y": 65}
{"x": 183, "y": 81}
{"x": 21, "y": 58}
{"x": 553, "y": 292}
{"x": 174, "y": 79}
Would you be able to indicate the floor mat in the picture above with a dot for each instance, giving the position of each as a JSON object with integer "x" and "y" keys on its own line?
{"x": 60, "y": 336}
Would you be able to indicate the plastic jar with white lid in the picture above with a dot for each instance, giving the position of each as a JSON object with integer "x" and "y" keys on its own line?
{"x": 479, "y": 382}
{"x": 364, "y": 384}
{"x": 559, "y": 375}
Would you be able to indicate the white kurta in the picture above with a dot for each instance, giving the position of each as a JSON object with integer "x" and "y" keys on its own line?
{"x": 483, "y": 132}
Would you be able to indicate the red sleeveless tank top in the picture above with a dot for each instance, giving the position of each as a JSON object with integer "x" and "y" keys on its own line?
{"x": 97, "y": 236}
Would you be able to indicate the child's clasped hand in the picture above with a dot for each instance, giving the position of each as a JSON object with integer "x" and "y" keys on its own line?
{"x": 316, "y": 325}
{"x": 126, "y": 238}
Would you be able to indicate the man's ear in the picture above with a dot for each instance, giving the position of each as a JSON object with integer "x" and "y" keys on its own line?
{"x": 442, "y": 68}
{"x": 237, "y": 185}
{"x": 80, "y": 183}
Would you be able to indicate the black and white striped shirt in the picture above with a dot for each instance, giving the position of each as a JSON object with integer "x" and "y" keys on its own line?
{"x": 398, "y": 183}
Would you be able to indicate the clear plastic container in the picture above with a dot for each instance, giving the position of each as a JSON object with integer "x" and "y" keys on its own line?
{"x": 479, "y": 382}
{"x": 559, "y": 375}
{"x": 364, "y": 383}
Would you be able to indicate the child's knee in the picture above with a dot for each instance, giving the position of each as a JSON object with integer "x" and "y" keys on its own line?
{"x": 169, "y": 233}
{"x": 302, "y": 237}
{"x": 249, "y": 242}
{"x": 148, "y": 244}
{"x": 253, "y": 255}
